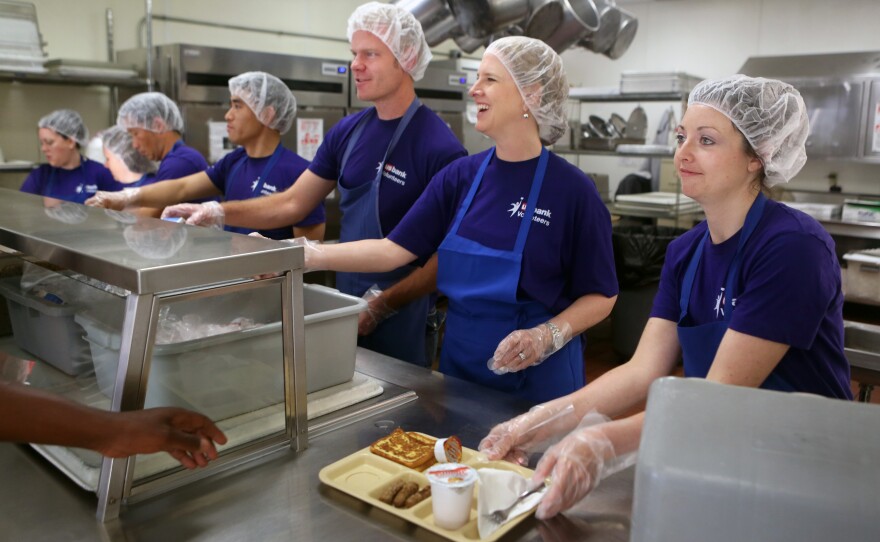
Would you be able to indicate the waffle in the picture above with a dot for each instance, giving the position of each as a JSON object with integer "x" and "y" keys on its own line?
{"x": 408, "y": 449}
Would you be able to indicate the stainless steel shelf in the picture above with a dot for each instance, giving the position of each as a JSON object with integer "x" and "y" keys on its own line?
{"x": 639, "y": 97}
{"x": 53, "y": 79}
{"x": 614, "y": 153}
{"x": 644, "y": 213}
{"x": 863, "y": 230}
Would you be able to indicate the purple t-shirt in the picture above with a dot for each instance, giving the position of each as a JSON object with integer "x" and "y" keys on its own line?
{"x": 180, "y": 162}
{"x": 77, "y": 184}
{"x": 425, "y": 147}
{"x": 788, "y": 291}
{"x": 284, "y": 173}
{"x": 568, "y": 252}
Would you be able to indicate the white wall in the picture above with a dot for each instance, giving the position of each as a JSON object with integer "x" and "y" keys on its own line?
{"x": 708, "y": 38}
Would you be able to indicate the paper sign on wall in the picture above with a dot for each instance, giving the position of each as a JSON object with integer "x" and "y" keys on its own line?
{"x": 218, "y": 141}
{"x": 309, "y": 136}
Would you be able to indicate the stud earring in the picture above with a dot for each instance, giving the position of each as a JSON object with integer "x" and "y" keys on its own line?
{"x": 525, "y": 115}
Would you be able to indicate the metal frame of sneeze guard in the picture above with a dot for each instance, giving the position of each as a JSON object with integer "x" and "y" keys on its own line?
{"x": 214, "y": 263}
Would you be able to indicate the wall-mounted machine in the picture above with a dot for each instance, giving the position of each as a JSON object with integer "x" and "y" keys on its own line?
{"x": 196, "y": 78}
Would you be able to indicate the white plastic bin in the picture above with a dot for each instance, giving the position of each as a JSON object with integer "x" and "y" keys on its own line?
{"x": 232, "y": 373}
{"x": 46, "y": 330}
{"x": 730, "y": 464}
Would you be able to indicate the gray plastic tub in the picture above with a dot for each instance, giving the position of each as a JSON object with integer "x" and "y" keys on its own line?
{"x": 46, "y": 330}
{"x": 731, "y": 464}
{"x": 232, "y": 373}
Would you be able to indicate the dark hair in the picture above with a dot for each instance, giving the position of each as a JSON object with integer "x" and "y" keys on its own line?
{"x": 750, "y": 151}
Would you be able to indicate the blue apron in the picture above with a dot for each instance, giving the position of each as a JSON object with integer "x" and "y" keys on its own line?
{"x": 700, "y": 343}
{"x": 401, "y": 336}
{"x": 258, "y": 185}
{"x": 481, "y": 284}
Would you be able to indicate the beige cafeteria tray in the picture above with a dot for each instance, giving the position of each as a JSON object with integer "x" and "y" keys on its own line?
{"x": 365, "y": 475}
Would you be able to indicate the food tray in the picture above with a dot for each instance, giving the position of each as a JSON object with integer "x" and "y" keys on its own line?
{"x": 365, "y": 475}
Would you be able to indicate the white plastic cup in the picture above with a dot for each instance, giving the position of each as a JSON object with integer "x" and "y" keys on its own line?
{"x": 452, "y": 492}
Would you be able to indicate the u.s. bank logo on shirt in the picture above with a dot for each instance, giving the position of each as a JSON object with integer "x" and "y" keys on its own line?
{"x": 265, "y": 190}
{"x": 719, "y": 303}
{"x": 394, "y": 175}
{"x": 518, "y": 209}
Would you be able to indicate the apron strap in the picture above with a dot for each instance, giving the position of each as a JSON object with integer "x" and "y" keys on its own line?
{"x": 753, "y": 217}
{"x": 531, "y": 202}
{"x": 276, "y": 154}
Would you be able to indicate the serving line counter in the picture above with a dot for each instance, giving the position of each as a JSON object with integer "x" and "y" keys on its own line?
{"x": 281, "y": 498}
{"x": 92, "y": 292}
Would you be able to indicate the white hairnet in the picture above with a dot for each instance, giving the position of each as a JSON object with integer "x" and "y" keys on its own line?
{"x": 68, "y": 123}
{"x": 151, "y": 111}
{"x": 399, "y": 30}
{"x": 260, "y": 91}
{"x": 118, "y": 141}
{"x": 769, "y": 113}
{"x": 538, "y": 73}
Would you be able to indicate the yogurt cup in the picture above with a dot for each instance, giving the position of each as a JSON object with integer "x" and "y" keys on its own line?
{"x": 452, "y": 492}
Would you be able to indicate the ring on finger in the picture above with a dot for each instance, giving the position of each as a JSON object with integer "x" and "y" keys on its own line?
{"x": 522, "y": 356}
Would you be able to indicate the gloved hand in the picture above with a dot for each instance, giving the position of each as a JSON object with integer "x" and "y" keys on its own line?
{"x": 117, "y": 201}
{"x": 313, "y": 252}
{"x": 377, "y": 311}
{"x": 515, "y": 439}
{"x": 209, "y": 214}
{"x": 576, "y": 464}
{"x": 526, "y": 347}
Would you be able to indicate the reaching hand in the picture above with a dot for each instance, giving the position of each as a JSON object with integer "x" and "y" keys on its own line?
{"x": 209, "y": 214}
{"x": 313, "y": 253}
{"x": 118, "y": 201}
{"x": 515, "y": 439}
{"x": 376, "y": 312}
{"x": 188, "y": 436}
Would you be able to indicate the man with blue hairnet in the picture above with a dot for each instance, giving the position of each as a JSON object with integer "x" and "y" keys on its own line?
{"x": 261, "y": 110}
{"x": 380, "y": 159}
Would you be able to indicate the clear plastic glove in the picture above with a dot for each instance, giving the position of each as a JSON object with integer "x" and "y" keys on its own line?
{"x": 377, "y": 311}
{"x": 209, "y": 214}
{"x": 118, "y": 201}
{"x": 526, "y": 347}
{"x": 576, "y": 465}
{"x": 531, "y": 432}
{"x": 313, "y": 253}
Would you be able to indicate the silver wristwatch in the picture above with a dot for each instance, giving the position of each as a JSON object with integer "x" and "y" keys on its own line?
{"x": 558, "y": 339}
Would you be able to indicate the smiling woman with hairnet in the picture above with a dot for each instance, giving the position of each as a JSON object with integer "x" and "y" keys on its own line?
{"x": 750, "y": 297}
{"x": 523, "y": 238}
{"x": 68, "y": 175}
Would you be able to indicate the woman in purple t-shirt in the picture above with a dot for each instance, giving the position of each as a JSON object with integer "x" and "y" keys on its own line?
{"x": 522, "y": 237}
{"x": 750, "y": 297}
{"x": 68, "y": 175}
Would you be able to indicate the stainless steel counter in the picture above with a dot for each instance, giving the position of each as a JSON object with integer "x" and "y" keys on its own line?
{"x": 282, "y": 498}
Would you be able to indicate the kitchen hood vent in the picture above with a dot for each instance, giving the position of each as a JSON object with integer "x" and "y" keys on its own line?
{"x": 822, "y": 66}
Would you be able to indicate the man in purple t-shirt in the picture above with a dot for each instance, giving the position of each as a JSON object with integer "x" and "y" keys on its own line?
{"x": 380, "y": 166}
{"x": 261, "y": 110}
{"x": 155, "y": 125}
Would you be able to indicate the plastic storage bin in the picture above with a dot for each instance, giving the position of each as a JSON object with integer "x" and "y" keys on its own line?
{"x": 46, "y": 330}
{"x": 861, "y": 277}
{"x": 232, "y": 373}
{"x": 728, "y": 464}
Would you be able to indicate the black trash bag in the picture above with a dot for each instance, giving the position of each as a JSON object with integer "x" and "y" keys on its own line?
{"x": 639, "y": 252}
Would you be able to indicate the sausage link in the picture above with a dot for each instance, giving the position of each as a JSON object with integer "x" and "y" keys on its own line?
{"x": 388, "y": 495}
{"x": 418, "y": 497}
{"x": 408, "y": 489}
